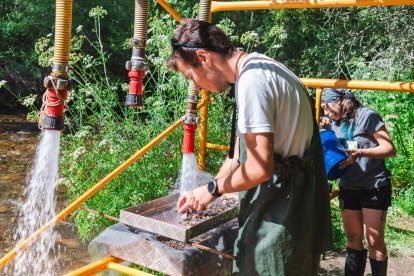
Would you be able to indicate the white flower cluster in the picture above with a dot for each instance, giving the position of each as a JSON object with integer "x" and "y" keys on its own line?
{"x": 29, "y": 100}
{"x": 79, "y": 152}
{"x": 84, "y": 132}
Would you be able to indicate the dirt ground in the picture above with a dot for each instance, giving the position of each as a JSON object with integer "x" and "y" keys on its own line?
{"x": 333, "y": 264}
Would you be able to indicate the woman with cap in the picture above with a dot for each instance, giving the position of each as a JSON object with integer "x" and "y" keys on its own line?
{"x": 365, "y": 189}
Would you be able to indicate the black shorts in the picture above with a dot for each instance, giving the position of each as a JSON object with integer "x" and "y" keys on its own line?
{"x": 378, "y": 198}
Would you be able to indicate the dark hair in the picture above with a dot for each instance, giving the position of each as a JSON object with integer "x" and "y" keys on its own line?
{"x": 192, "y": 34}
{"x": 349, "y": 108}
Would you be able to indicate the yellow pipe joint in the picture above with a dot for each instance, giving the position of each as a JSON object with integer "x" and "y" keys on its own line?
{"x": 127, "y": 270}
{"x": 359, "y": 84}
{"x": 95, "y": 267}
{"x": 217, "y": 147}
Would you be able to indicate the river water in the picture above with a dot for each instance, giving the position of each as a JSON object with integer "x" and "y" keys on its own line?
{"x": 18, "y": 142}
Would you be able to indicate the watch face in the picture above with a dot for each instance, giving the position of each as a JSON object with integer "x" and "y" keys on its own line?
{"x": 211, "y": 187}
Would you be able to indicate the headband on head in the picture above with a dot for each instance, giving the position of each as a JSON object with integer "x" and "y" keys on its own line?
{"x": 175, "y": 43}
{"x": 331, "y": 95}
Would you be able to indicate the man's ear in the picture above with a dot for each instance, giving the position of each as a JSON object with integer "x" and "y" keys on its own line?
{"x": 203, "y": 55}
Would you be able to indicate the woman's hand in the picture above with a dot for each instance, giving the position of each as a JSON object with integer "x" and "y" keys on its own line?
{"x": 325, "y": 123}
{"x": 353, "y": 154}
{"x": 197, "y": 199}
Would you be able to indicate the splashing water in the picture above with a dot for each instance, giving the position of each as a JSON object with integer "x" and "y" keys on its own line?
{"x": 38, "y": 209}
{"x": 190, "y": 177}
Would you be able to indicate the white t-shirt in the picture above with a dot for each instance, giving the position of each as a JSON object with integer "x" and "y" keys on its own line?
{"x": 270, "y": 98}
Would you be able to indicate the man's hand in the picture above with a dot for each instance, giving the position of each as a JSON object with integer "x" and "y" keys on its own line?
{"x": 197, "y": 199}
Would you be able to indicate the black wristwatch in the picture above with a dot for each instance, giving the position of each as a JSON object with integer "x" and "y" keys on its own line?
{"x": 212, "y": 188}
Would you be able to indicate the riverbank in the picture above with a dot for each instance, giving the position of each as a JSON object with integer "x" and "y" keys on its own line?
{"x": 18, "y": 143}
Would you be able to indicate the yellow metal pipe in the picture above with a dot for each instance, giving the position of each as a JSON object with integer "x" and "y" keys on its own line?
{"x": 202, "y": 134}
{"x": 95, "y": 267}
{"x": 205, "y": 14}
{"x": 217, "y": 6}
{"x": 127, "y": 270}
{"x": 88, "y": 194}
{"x": 170, "y": 10}
{"x": 318, "y": 104}
{"x": 360, "y": 84}
{"x": 216, "y": 146}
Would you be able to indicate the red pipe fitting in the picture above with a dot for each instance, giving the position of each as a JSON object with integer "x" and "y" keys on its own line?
{"x": 55, "y": 108}
{"x": 134, "y": 97}
{"x": 55, "y": 105}
{"x": 189, "y": 138}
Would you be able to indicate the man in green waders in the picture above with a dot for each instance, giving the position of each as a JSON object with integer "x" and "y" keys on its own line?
{"x": 278, "y": 165}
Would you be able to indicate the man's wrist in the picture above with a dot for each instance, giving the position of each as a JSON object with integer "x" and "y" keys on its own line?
{"x": 212, "y": 188}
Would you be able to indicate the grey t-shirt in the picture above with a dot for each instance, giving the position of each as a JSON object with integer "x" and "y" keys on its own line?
{"x": 366, "y": 172}
{"x": 271, "y": 99}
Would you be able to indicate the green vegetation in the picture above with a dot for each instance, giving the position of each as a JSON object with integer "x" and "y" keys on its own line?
{"x": 349, "y": 43}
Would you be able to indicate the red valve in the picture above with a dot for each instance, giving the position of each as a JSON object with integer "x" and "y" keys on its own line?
{"x": 134, "y": 97}
{"x": 189, "y": 138}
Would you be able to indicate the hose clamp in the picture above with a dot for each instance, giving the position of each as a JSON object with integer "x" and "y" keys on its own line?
{"x": 51, "y": 82}
{"x": 192, "y": 98}
{"x": 136, "y": 64}
{"x": 138, "y": 43}
{"x": 190, "y": 119}
{"x": 60, "y": 68}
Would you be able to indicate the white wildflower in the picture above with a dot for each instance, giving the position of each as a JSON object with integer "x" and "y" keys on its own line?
{"x": 79, "y": 152}
{"x": 125, "y": 86}
{"x": 29, "y": 100}
{"x": 84, "y": 132}
{"x": 79, "y": 28}
{"x": 114, "y": 148}
{"x": 62, "y": 181}
{"x": 104, "y": 143}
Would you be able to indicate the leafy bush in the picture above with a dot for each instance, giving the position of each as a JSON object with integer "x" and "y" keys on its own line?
{"x": 338, "y": 234}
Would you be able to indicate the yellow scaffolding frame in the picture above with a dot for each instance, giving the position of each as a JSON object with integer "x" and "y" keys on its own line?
{"x": 216, "y": 6}
{"x": 109, "y": 262}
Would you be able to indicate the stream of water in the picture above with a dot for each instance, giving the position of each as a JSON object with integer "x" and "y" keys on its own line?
{"x": 29, "y": 198}
{"x": 38, "y": 209}
{"x": 190, "y": 177}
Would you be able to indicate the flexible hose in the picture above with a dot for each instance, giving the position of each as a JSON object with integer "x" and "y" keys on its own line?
{"x": 192, "y": 89}
{"x": 204, "y": 12}
{"x": 140, "y": 20}
{"x": 192, "y": 99}
{"x": 62, "y": 36}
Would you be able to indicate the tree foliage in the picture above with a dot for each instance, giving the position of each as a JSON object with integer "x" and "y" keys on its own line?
{"x": 371, "y": 43}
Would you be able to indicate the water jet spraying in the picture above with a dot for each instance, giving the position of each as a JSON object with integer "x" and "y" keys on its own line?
{"x": 39, "y": 207}
{"x": 190, "y": 177}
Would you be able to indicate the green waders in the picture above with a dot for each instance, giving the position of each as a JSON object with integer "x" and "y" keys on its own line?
{"x": 285, "y": 223}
